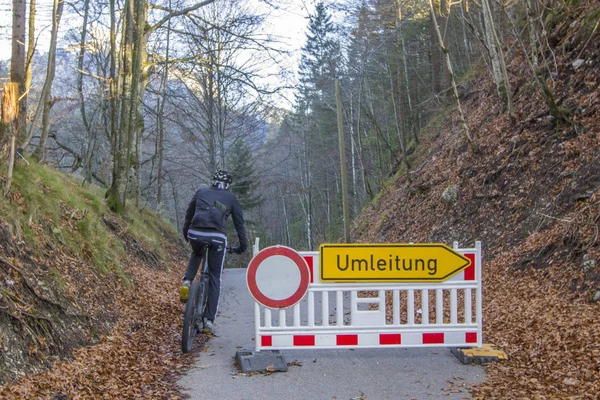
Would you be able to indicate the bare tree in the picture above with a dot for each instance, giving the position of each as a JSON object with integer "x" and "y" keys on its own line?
{"x": 46, "y": 101}
{"x": 135, "y": 72}
{"x": 28, "y": 68}
{"x": 449, "y": 66}
{"x": 17, "y": 60}
{"x": 499, "y": 71}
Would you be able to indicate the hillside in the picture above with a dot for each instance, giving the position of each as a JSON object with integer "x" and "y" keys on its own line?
{"x": 531, "y": 194}
{"x": 85, "y": 288}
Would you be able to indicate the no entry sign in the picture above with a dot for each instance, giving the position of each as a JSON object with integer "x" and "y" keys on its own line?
{"x": 278, "y": 277}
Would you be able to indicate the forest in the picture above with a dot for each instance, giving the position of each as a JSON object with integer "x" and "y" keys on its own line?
{"x": 146, "y": 99}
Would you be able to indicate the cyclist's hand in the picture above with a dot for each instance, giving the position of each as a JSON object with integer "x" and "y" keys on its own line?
{"x": 237, "y": 250}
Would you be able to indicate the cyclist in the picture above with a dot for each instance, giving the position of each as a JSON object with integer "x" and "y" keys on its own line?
{"x": 206, "y": 222}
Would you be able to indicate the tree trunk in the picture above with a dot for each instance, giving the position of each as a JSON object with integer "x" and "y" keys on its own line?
{"x": 160, "y": 121}
{"x": 306, "y": 184}
{"x": 466, "y": 41}
{"x": 112, "y": 90}
{"x": 497, "y": 57}
{"x": 443, "y": 21}
{"x": 343, "y": 167}
{"x": 399, "y": 117}
{"x": 211, "y": 134}
{"x": 87, "y": 157}
{"x": 45, "y": 101}
{"x": 17, "y": 60}
{"x": 493, "y": 51}
{"x": 288, "y": 237}
{"x": 366, "y": 185}
{"x": 309, "y": 222}
{"x": 31, "y": 40}
{"x": 406, "y": 82}
{"x": 10, "y": 114}
{"x": 116, "y": 193}
{"x": 455, "y": 90}
{"x": 353, "y": 161}
{"x": 28, "y": 65}
{"x": 221, "y": 108}
{"x": 398, "y": 96}
{"x": 531, "y": 12}
{"x": 435, "y": 59}
{"x": 175, "y": 199}
{"x": 140, "y": 78}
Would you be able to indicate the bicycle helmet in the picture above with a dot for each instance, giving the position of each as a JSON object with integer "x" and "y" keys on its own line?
{"x": 222, "y": 176}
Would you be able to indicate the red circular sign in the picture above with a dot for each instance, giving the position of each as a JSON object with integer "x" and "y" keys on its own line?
{"x": 299, "y": 284}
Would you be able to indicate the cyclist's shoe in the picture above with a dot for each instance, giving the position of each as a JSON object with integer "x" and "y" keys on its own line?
{"x": 184, "y": 291}
{"x": 199, "y": 326}
{"x": 208, "y": 327}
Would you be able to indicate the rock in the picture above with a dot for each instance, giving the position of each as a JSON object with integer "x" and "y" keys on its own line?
{"x": 588, "y": 263}
{"x": 450, "y": 194}
{"x": 596, "y": 296}
{"x": 577, "y": 63}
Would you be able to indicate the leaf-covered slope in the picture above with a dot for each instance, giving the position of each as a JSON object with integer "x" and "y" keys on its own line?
{"x": 72, "y": 274}
{"x": 531, "y": 194}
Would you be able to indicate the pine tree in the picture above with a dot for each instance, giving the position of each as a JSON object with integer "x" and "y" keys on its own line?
{"x": 320, "y": 61}
{"x": 245, "y": 181}
{"x": 316, "y": 120}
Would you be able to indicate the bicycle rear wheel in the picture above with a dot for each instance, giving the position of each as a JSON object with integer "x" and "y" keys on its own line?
{"x": 190, "y": 316}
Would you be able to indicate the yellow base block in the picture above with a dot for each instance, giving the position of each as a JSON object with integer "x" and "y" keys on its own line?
{"x": 475, "y": 355}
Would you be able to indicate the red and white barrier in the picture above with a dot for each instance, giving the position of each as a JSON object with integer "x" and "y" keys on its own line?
{"x": 362, "y": 315}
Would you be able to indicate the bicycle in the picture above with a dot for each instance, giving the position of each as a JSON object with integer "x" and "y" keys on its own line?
{"x": 196, "y": 303}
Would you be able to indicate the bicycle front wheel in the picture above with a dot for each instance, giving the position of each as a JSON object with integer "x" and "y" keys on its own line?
{"x": 189, "y": 317}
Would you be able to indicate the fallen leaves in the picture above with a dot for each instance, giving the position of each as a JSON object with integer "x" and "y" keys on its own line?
{"x": 139, "y": 358}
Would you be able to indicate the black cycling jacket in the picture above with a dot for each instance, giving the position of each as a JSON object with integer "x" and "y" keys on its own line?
{"x": 209, "y": 209}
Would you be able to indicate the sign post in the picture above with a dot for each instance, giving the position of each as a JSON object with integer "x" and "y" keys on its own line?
{"x": 277, "y": 278}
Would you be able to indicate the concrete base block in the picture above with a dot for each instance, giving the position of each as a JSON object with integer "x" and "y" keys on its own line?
{"x": 260, "y": 361}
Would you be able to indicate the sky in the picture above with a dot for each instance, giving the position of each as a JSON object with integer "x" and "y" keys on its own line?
{"x": 287, "y": 19}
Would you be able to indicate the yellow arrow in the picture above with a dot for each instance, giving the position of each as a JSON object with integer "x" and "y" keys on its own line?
{"x": 420, "y": 262}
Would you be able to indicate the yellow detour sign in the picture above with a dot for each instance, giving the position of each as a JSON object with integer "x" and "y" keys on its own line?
{"x": 420, "y": 262}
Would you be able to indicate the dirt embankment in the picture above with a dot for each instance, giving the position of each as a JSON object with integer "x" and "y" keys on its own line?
{"x": 89, "y": 302}
{"x": 531, "y": 194}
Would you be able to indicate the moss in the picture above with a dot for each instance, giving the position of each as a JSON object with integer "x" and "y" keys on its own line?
{"x": 70, "y": 216}
{"x": 113, "y": 200}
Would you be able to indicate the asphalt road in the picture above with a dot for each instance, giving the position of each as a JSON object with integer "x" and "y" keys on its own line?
{"x": 371, "y": 374}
